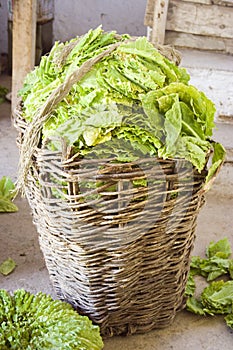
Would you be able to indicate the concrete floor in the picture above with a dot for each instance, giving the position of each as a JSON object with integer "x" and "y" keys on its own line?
{"x": 18, "y": 240}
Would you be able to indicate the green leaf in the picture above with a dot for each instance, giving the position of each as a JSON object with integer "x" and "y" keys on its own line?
{"x": 190, "y": 125}
{"x": 217, "y": 297}
{"x": 172, "y": 125}
{"x": 38, "y": 322}
{"x": 216, "y": 162}
{"x": 139, "y": 138}
{"x": 152, "y": 111}
{"x": 203, "y": 109}
{"x": 6, "y": 206}
{"x": 7, "y": 193}
{"x": 194, "y": 305}
{"x": 7, "y": 266}
{"x": 142, "y": 48}
{"x": 217, "y": 263}
{"x": 194, "y": 150}
{"x": 221, "y": 249}
{"x": 104, "y": 116}
{"x": 168, "y": 118}
{"x": 190, "y": 286}
{"x": 196, "y": 266}
{"x": 229, "y": 320}
{"x": 90, "y": 135}
{"x": 231, "y": 268}
{"x": 3, "y": 93}
{"x": 7, "y": 188}
{"x": 70, "y": 130}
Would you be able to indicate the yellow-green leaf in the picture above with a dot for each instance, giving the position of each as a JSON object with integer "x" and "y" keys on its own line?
{"x": 7, "y": 266}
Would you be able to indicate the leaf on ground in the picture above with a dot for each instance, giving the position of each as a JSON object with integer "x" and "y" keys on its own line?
{"x": 6, "y": 205}
{"x": 217, "y": 297}
{"x": 229, "y": 320}
{"x": 195, "y": 306}
{"x": 3, "y": 93}
{"x": 7, "y": 266}
{"x": 221, "y": 249}
{"x": 7, "y": 187}
{"x": 7, "y": 193}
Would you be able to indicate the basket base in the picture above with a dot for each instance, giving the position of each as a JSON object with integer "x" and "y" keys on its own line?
{"x": 126, "y": 329}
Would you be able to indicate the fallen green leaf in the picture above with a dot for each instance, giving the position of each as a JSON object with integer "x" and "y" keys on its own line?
{"x": 217, "y": 297}
{"x": 3, "y": 93}
{"x": 7, "y": 193}
{"x": 194, "y": 305}
{"x": 221, "y": 249}
{"x": 7, "y": 266}
{"x": 6, "y": 206}
{"x": 217, "y": 262}
{"x": 29, "y": 321}
{"x": 7, "y": 187}
{"x": 229, "y": 320}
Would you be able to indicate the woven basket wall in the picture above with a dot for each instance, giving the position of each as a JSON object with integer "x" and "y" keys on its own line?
{"x": 118, "y": 249}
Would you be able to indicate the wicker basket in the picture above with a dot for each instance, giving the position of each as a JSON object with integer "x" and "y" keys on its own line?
{"x": 119, "y": 254}
{"x": 116, "y": 237}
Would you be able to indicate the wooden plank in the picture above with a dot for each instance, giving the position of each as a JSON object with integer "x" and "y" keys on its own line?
{"x": 200, "y": 42}
{"x": 215, "y": 2}
{"x": 200, "y": 19}
{"x": 210, "y": 2}
{"x": 223, "y": 2}
{"x": 23, "y": 43}
{"x": 150, "y": 4}
{"x": 206, "y": 2}
{"x": 159, "y": 21}
{"x": 149, "y": 13}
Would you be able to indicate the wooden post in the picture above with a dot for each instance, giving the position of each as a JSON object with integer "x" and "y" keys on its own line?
{"x": 159, "y": 21}
{"x": 23, "y": 44}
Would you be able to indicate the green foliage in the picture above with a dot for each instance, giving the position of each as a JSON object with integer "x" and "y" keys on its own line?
{"x": 7, "y": 266}
{"x": 134, "y": 93}
{"x": 217, "y": 297}
{"x": 3, "y": 93}
{"x": 7, "y": 192}
{"x": 37, "y": 322}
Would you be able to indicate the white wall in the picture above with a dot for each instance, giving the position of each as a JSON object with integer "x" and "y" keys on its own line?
{"x": 76, "y": 17}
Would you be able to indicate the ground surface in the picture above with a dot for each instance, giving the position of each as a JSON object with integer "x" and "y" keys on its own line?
{"x": 18, "y": 240}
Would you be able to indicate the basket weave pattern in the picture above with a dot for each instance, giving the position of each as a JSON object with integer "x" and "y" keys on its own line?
{"x": 118, "y": 252}
{"x": 116, "y": 237}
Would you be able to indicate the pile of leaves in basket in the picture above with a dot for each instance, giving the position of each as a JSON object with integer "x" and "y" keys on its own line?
{"x": 128, "y": 98}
